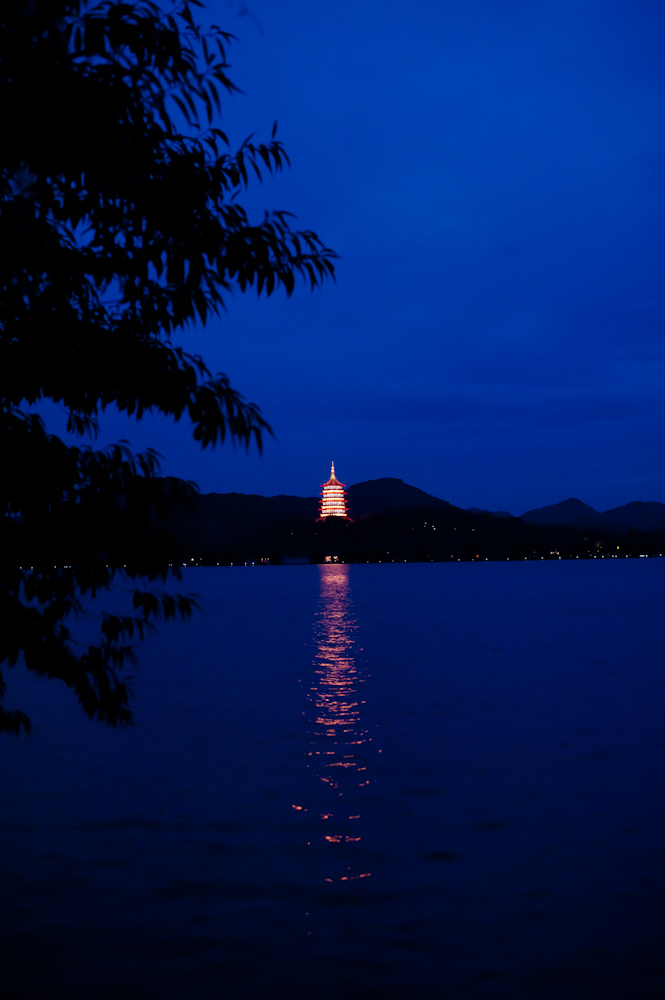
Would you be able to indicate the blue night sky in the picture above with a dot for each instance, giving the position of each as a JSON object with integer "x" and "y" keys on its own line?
{"x": 491, "y": 175}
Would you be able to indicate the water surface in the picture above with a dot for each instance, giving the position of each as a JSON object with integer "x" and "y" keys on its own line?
{"x": 357, "y": 782}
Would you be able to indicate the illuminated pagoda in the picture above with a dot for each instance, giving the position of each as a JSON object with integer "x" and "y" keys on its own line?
{"x": 333, "y": 499}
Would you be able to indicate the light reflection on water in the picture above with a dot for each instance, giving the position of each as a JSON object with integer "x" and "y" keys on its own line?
{"x": 511, "y": 821}
{"x": 338, "y": 737}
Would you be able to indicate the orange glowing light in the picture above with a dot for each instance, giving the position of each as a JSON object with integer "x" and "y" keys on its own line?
{"x": 351, "y": 878}
{"x": 338, "y": 739}
{"x": 333, "y": 497}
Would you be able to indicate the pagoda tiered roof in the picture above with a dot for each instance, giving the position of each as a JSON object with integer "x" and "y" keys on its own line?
{"x": 333, "y": 497}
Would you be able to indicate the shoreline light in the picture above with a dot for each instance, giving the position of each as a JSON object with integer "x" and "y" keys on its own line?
{"x": 333, "y": 497}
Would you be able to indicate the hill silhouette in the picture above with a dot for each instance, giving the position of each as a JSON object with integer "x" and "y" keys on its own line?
{"x": 636, "y": 516}
{"x": 640, "y": 515}
{"x": 568, "y": 512}
{"x": 383, "y": 496}
{"x": 494, "y": 513}
{"x": 393, "y": 521}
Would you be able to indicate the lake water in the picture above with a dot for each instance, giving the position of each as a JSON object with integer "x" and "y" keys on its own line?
{"x": 374, "y": 781}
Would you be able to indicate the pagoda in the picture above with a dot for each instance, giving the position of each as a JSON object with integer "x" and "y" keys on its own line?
{"x": 333, "y": 499}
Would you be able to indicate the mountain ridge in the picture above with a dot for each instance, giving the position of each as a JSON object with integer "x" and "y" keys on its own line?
{"x": 637, "y": 515}
{"x": 390, "y": 495}
{"x": 393, "y": 521}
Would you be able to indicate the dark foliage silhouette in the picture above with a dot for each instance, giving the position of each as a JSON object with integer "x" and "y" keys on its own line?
{"x": 120, "y": 225}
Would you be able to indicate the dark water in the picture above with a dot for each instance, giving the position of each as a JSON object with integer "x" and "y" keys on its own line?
{"x": 355, "y": 782}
